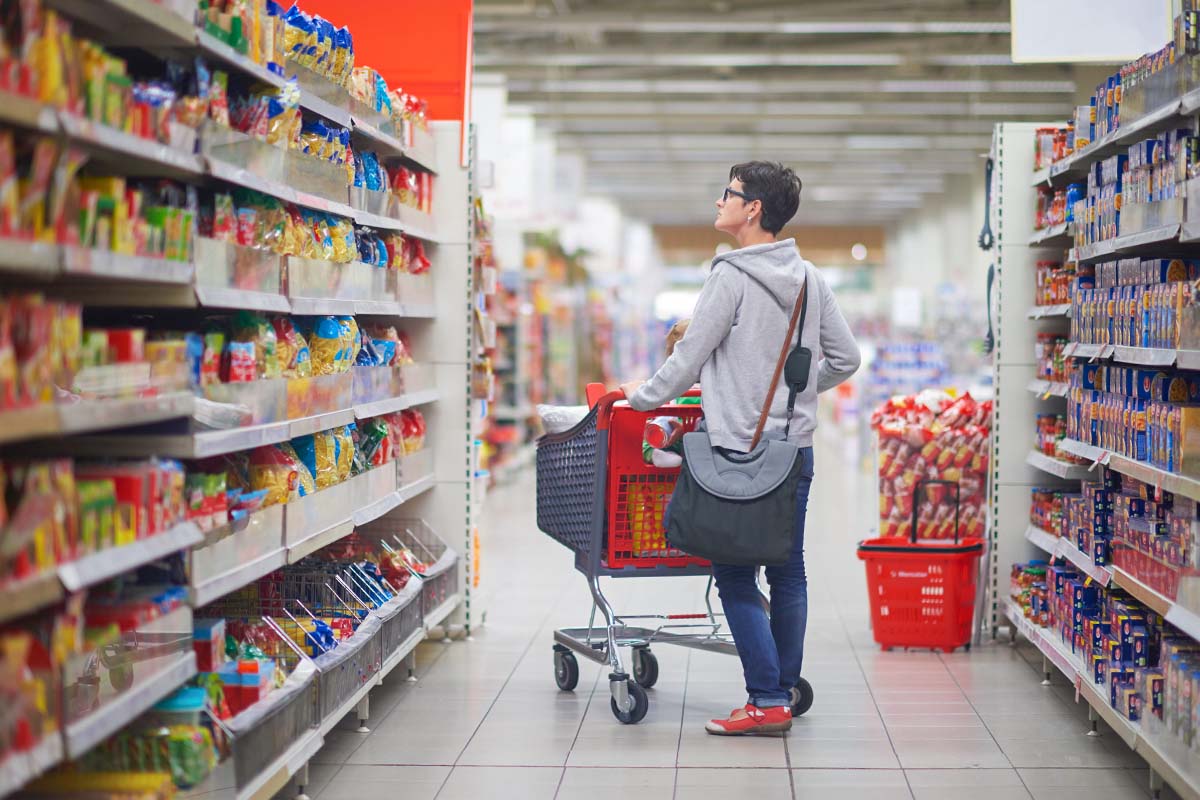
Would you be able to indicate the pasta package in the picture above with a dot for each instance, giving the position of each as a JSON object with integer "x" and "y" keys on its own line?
{"x": 325, "y": 447}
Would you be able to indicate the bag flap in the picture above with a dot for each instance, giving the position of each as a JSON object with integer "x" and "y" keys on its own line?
{"x": 741, "y": 477}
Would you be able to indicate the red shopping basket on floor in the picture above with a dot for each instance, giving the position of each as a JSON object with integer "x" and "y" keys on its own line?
{"x": 922, "y": 592}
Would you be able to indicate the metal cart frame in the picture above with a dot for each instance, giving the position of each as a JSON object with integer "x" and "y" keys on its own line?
{"x": 572, "y": 492}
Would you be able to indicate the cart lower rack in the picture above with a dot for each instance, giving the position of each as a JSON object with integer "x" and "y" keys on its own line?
{"x": 598, "y": 497}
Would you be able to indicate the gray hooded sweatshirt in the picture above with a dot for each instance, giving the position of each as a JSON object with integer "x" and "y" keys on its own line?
{"x": 733, "y": 343}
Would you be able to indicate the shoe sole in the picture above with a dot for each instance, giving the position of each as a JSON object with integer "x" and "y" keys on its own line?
{"x": 773, "y": 728}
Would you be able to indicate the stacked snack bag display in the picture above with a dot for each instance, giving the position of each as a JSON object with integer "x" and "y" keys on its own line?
{"x": 932, "y": 436}
{"x": 1148, "y": 671}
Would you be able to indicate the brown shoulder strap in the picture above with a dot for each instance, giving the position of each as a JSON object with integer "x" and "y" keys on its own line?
{"x": 783, "y": 354}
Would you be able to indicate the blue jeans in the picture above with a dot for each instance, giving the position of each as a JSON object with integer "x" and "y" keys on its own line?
{"x": 771, "y": 648}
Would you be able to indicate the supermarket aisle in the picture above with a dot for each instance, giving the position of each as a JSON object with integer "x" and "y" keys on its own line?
{"x": 486, "y": 721}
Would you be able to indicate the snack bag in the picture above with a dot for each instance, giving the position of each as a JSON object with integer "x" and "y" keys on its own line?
{"x": 254, "y": 328}
{"x": 325, "y": 346}
{"x": 275, "y": 472}
{"x": 374, "y": 442}
{"x": 294, "y": 358}
{"x": 305, "y": 483}
{"x": 325, "y": 459}
{"x": 345, "y": 453}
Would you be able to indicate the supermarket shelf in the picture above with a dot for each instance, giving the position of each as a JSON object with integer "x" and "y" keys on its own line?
{"x": 310, "y": 306}
{"x": 418, "y": 223}
{"x": 1061, "y": 469}
{"x": 379, "y": 139}
{"x": 330, "y": 722}
{"x": 233, "y": 580}
{"x": 392, "y": 500}
{"x": 1168, "y": 757}
{"x": 1182, "y": 618}
{"x": 1055, "y": 234}
{"x": 28, "y": 258}
{"x": 275, "y": 776}
{"x": 1047, "y": 312}
{"x": 1076, "y": 165}
{"x": 81, "y": 261}
{"x": 86, "y": 733}
{"x": 26, "y": 112}
{"x": 418, "y": 310}
{"x": 230, "y": 173}
{"x": 104, "y": 564}
{"x": 320, "y": 422}
{"x": 372, "y": 220}
{"x": 439, "y": 614}
{"x": 338, "y": 207}
{"x": 26, "y": 596}
{"x": 319, "y": 105}
{"x": 406, "y": 647}
{"x": 1045, "y": 541}
{"x": 1147, "y": 356}
{"x": 1059, "y": 547}
{"x": 214, "y": 47}
{"x": 241, "y": 299}
{"x": 1166, "y": 481}
{"x": 1163, "y": 234}
{"x": 95, "y": 415}
{"x": 1097, "y": 251}
{"x": 382, "y": 308}
{"x": 1045, "y": 389}
{"x": 393, "y": 404}
{"x": 320, "y": 540}
{"x": 1090, "y": 351}
{"x": 134, "y": 150}
{"x": 21, "y": 768}
{"x": 132, "y": 20}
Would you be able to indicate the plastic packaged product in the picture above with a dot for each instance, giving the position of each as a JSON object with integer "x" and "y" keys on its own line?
{"x": 275, "y": 472}
{"x": 348, "y": 336}
{"x": 374, "y": 442}
{"x": 294, "y": 359}
{"x": 326, "y": 459}
{"x": 241, "y": 365}
{"x": 325, "y": 346}
{"x": 305, "y": 482}
{"x": 413, "y": 430}
{"x": 306, "y": 451}
{"x": 344, "y": 441}
{"x": 210, "y": 359}
{"x": 256, "y": 330}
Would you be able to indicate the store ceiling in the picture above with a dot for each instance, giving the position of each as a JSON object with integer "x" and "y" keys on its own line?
{"x": 875, "y": 104}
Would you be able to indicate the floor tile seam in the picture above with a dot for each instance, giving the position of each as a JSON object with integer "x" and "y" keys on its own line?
{"x": 582, "y": 719}
{"x": 382, "y": 719}
{"x": 516, "y": 666}
{"x": 995, "y": 741}
{"x": 837, "y": 609}
{"x": 687, "y": 677}
{"x": 328, "y": 783}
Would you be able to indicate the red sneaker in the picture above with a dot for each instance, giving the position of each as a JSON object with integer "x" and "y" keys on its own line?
{"x": 752, "y": 720}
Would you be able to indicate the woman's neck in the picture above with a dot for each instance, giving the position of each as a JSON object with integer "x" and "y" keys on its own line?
{"x": 748, "y": 237}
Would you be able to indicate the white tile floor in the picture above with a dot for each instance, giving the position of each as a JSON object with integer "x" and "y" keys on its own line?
{"x": 486, "y": 720}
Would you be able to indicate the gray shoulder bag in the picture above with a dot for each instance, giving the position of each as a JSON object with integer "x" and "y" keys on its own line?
{"x": 740, "y": 508}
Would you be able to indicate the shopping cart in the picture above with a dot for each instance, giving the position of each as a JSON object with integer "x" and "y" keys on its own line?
{"x": 922, "y": 592}
{"x": 598, "y": 497}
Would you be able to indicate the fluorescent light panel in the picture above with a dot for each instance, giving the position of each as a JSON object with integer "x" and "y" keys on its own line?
{"x": 583, "y": 23}
{"x": 782, "y": 88}
{"x": 771, "y": 109}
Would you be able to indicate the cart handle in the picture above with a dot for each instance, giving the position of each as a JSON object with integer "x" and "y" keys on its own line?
{"x": 599, "y": 398}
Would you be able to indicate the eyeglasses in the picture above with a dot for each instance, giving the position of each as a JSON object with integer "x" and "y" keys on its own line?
{"x": 729, "y": 191}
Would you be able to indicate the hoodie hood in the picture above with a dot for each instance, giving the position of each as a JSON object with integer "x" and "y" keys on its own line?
{"x": 776, "y": 266}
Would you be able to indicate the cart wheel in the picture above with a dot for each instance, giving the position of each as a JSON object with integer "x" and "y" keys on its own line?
{"x": 802, "y": 698}
{"x": 641, "y": 704}
{"x": 566, "y": 671}
{"x": 645, "y": 667}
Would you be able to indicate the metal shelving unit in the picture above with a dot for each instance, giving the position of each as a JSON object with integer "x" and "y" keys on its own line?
{"x": 223, "y": 561}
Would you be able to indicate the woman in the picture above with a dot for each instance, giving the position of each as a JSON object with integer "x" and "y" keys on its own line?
{"x": 731, "y": 347}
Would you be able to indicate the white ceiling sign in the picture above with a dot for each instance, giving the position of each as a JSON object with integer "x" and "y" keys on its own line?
{"x": 1101, "y": 31}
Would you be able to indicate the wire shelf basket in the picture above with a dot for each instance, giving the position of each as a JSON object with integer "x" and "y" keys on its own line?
{"x": 439, "y": 562}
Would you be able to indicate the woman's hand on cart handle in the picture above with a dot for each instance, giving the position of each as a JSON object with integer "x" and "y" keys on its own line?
{"x": 629, "y": 388}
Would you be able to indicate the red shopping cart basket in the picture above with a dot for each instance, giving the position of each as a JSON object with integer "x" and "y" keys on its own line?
{"x": 922, "y": 592}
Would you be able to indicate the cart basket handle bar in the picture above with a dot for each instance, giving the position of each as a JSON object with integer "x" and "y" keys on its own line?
{"x": 596, "y": 397}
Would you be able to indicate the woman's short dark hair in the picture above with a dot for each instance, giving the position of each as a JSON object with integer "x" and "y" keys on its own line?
{"x": 777, "y": 186}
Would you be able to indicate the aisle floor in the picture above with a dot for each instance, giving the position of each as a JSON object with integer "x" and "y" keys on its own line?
{"x": 485, "y": 719}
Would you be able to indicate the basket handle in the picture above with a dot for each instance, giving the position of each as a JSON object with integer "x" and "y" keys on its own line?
{"x": 916, "y": 504}
{"x": 595, "y": 393}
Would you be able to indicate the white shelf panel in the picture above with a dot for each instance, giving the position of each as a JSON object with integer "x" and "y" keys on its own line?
{"x": 139, "y": 151}
{"x": 1047, "y": 389}
{"x": 1187, "y": 621}
{"x": 1059, "y": 547}
{"x": 91, "y": 415}
{"x": 1060, "y": 469}
{"x": 245, "y": 574}
{"x": 241, "y": 299}
{"x": 84, "y": 734}
{"x": 21, "y": 768}
{"x": 380, "y": 140}
{"x": 275, "y": 776}
{"x": 1047, "y": 542}
{"x": 28, "y": 595}
{"x": 1146, "y": 356}
{"x": 1062, "y": 310}
{"x": 217, "y": 49}
{"x": 393, "y": 404}
{"x": 439, "y": 614}
{"x": 1055, "y": 234}
{"x": 319, "y": 540}
{"x": 100, "y": 566}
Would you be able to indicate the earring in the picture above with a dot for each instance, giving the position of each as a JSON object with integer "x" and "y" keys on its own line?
{"x": 750, "y": 218}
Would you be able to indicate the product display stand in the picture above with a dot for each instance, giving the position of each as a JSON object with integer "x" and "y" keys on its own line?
{"x": 430, "y": 497}
{"x": 1160, "y": 229}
